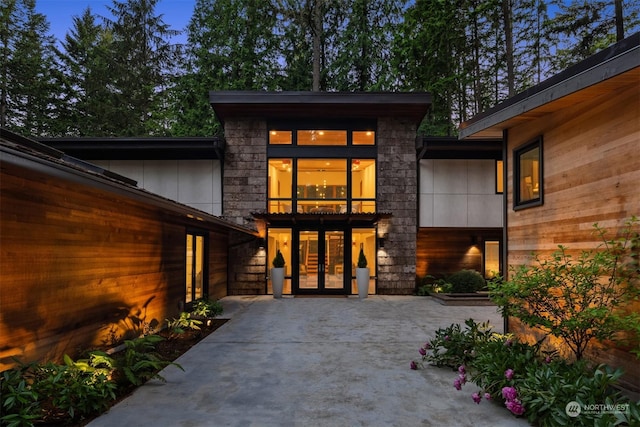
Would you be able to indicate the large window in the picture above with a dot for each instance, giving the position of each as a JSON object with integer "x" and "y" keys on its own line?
{"x": 309, "y": 182}
{"x": 527, "y": 185}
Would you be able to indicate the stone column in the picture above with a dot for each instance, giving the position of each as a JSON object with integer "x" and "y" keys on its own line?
{"x": 245, "y": 191}
{"x": 397, "y": 193}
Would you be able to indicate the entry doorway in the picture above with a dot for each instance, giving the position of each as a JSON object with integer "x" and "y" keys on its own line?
{"x": 321, "y": 262}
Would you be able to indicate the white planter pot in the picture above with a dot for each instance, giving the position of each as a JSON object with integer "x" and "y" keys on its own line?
{"x": 362, "y": 280}
{"x": 277, "y": 281}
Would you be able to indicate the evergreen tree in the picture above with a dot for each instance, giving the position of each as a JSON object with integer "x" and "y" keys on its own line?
{"x": 87, "y": 78}
{"x": 142, "y": 62}
{"x": 29, "y": 99}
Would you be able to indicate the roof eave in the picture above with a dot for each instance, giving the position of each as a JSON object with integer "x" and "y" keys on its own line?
{"x": 618, "y": 59}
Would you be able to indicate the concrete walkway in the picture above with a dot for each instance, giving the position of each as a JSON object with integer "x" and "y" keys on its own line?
{"x": 315, "y": 362}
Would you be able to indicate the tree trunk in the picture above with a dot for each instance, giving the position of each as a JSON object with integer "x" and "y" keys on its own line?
{"x": 508, "y": 39}
{"x": 317, "y": 36}
{"x": 619, "y": 21}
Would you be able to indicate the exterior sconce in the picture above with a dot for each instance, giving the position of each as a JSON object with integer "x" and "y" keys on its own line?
{"x": 474, "y": 240}
{"x": 381, "y": 242}
{"x": 261, "y": 243}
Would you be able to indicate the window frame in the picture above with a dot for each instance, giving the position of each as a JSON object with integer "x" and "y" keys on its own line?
{"x": 518, "y": 153}
{"x": 205, "y": 264}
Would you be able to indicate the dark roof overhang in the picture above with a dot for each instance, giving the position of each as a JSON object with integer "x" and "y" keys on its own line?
{"x": 453, "y": 148}
{"x": 144, "y": 148}
{"x": 327, "y": 105}
{"x": 352, "y": 219}
{"x": 612, "y": 69}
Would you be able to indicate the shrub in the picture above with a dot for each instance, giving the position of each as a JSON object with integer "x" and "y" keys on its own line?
{"x": 466, "y": 281}
{"x": 207, "y": 308}
{"x": 577, "y": 299}
{"x": 185, "y": 321}
{"x": 529, "y": 381}
{"x": 139, "y": 363}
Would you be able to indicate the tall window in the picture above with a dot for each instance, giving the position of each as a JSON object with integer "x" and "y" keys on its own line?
{"x": 491, "y": 258}
{"x": 196, "y": 279}
{"x": 308, "y": 183}
{"x": 527, "y": 185}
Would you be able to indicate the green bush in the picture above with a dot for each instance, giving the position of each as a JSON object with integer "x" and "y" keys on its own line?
{"x": 205, "y": 307}
{"x": 185, "y": 321}
{"x": 529, "y": 381}
{"x": 465, "y": 281}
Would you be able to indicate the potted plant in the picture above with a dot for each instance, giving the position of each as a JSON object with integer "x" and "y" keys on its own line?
{"x": 277, "y": 274}
{"x": 362, "y": 274}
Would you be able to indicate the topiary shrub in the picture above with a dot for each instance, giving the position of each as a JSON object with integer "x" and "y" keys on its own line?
{"x": 464, "y": 281}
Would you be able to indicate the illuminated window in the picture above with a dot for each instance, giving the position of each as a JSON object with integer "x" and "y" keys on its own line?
{"x": 499, "y": 177}
{"x": 364, "y": 137}
{"x": 322, "y": 137}
{"x": 280, "y": 137}
{"x": 527, "y": 184}
{"x": 196, "y": 278}
{"x": 280, "y": 184}
{"x": 491, "y": 258}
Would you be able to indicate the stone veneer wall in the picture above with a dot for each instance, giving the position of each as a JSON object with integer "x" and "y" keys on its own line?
{"x": 245, "y": 191}
{"x": 397, "y": 193}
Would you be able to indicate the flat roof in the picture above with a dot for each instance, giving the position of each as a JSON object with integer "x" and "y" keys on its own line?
{"x": 331, "y": 105}
{"x": 139, "y": 148}
{"x": 614, "y": 68}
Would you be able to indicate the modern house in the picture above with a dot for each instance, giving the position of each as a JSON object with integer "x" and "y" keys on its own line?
{"x": 88, "y": 258}
{"x": 571, "y": 148}
{"x": 320, "y": 175}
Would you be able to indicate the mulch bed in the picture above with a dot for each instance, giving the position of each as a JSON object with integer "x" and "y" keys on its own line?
{"x": 170, "y": 349}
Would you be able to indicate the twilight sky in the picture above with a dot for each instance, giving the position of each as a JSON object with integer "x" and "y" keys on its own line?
{"x": 60, "y": 13}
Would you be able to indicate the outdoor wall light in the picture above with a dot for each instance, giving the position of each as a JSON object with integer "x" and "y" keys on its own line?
{"x": 261, "y": 243}
{"x": 381, "y": 242}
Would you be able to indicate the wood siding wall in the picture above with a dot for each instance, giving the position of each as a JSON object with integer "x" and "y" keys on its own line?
{"x": 442, "y": 251}
{"x": 591, "y": 174}
{"x": 83, "y": 267}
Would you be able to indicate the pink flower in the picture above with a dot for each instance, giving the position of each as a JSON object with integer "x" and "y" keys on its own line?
{"x": 422, "y": 351}
{"x": 547, "y": 360}
{"x": 515, "y": 407}
{"x": 509, "y": 393}
{"x": 427, "y": 346}
{"x": 476, "y": 398}
{"x": 457, "y": 384}
{"x": 463, "y": 378}
{"x": 446, "y": 338}
{"x": 508, "y": 343}
{"x": 462, "y": 370}
{"x": 487, "y": 396}
{"x": 413, "y": 365}
{"x": 508, "y": 374}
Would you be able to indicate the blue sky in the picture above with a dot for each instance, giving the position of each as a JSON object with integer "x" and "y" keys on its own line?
{"x": 60, "y": 13}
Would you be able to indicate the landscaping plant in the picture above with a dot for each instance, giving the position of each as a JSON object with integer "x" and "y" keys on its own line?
{"x": 205, "y": 307}
{"x": 528, "y": 380}
{"x": 179, "y": 325}
{"x": 578, "y": 299}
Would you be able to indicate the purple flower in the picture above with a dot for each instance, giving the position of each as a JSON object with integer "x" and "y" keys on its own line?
{"x": 457, "y": 384}
{"x": 413, "y": 365}
{"x": 508, "y": 342}
{"x": 427, "y": 346}
{"x": 515, "y": 407}
{"x": 508, "y": 374}
{"x": 509, "y": 393}
{"x": 463, "y": 378}
{"x": 446, "y": 338}
{"x": 487, "y": 396}
{"x": 422, "y": 351}
{"x": 547, "y": 359}
{"x": 476, "y": 398}
{"x": 462, "y": 370}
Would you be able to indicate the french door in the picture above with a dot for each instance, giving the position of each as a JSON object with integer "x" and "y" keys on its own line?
{"x": 321, "y": 262}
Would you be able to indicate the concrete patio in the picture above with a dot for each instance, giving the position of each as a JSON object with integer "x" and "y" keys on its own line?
{"x": 315, "y": 362}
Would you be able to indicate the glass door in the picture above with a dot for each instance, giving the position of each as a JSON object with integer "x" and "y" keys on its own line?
{"x": 321, "y": 259}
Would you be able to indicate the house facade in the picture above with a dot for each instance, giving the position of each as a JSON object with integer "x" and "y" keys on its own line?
{"x": 571, "y": 149}
{"x": 319, "y": 176}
